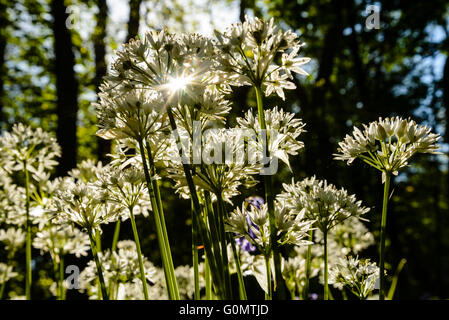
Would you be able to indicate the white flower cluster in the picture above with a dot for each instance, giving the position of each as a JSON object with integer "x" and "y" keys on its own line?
{"x": 292, "y": 229}
{"x": 121, "y": 269}
{"x": 33, "y": 150}
{"x": 249, "y": 54}
{"x": 388, "y": 144}
{"x": 321, "y": 202}
{"x": 359, "y": 276}
{"x": 62, "y": 240}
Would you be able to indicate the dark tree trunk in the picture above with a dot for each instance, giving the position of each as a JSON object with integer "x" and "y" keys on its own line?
{"x": 319, "y": 163}
{"x": 103, "y": 146}
{"x": 134, "y": 18}
{"x": 240, "y": 94}
{"x": 3, "y": 40}
{"x": 67, "y": 88}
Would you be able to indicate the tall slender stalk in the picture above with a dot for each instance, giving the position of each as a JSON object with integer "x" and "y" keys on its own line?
{"x": 116, "y": 235}
{"x": 61, "y": 278}
{"x": 28, "y": 279}
{"x": 326, "y": 284}
{"x": 93, "y": 247}
{"x": 139, "y": 254}
{"x": 242, "y": 289}
{"x": 157, "y": 194}
{"x": 196, "y": 273}
{"x": 308, "y": 267}
{"x": 224, "y": 247}
{"x": 168, "y": 269}
{"x": 205, "y": 235}
{"x": 207, "y": 280}
{"x": 270, "y": 201}
{"x": 382, "y": 236}
{"x": 269, "y": 293}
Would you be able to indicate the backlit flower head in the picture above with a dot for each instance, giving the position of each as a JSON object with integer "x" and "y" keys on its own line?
{"x": 388, "y": 144}
{"x": 248, "y": 55}
{"x": 23, "y": 147}
{"x": 317, "y": 200}
{"x": 359, "y": 276}
{"x": 283, "y": 130}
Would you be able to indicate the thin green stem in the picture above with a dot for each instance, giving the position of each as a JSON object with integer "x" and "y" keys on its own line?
{"x": 279, "y": 281}
{"x": 308, "y": 267}
{"x": 196, "y": 274}
{"x": 61, "y": 278}
{"x": 383, "y": 235}
{"x": 157, "y": 222}
{"x": 2, "y": 289}
{"x": 205, "y": 236}
{"x": 93, "y": 247}
{"x": 28, "y": 275}
{"x": 139, "y": 254}
{"x": 269, "y": 293}
{"x": 207, "y": 280}
{"x": 167, "y": 247}
{"x": 326, "y": 285}
{"x": 224, "y": 247}
{"x": 116, "y": 235}
{"x": 242, "y": 289}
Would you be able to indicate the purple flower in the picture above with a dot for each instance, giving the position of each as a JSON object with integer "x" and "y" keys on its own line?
{"x": 242, "y": 241}
{"x": 245, "y": 244}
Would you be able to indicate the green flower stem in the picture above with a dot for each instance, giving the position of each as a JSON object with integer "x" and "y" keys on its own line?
{"x": 205, "y": 236}
{"x": 269, "y": 294}
{"x": 139, "y": 254}
{"x": 28, "y": 279}
{"x": 270, "y": 202}
{"x": 224, "y": 246}
{"x": 157, "y": 194}
{"x": 61, "y": 278}
{"x": 196, "y": 274}
{"x": 308, "y": 267}
{"x": 211, "y": 219}
{"x": 93, "y": 247}
{"x": 383, "y": 235}
{"x": 207, "y": 280}
{"x": 242, "y": 289}
{"x": 395, "y": 279}
{"x": 326, "y": 284}
{"x": 115, "y": 238}
{"x": 116, "y": 235}
{"x": 2, "y": 288}
{"x": 163, "y": 250}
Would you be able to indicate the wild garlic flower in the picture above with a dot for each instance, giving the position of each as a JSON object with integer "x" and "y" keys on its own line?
{"x": 86, "y": 171}
{"x": 291, "y": 229}
{"x": 125, "y": 188}
{"x": 359, "y": 276}
{"x": 221, "y": 166}
{"x": 257, "y": 52}
{"x": 6, "y": 273}
{"x": 13, "y": 238}
{"x": 283, "y": 129}
{"x": 12, "y": 204}
{"x": 84, "y": 204}
{"x": 27, "y": 148}
{"x": 151, "y": 74}
{"x": 135, "y": 114}
{"x": 388, "y": 144}
{"x": 322, "y": 202}
{"x": 62, "y": 240}
{"x": 120, "y": 267}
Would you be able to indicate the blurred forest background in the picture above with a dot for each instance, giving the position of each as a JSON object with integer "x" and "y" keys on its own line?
{"x": 54, "y": 53}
